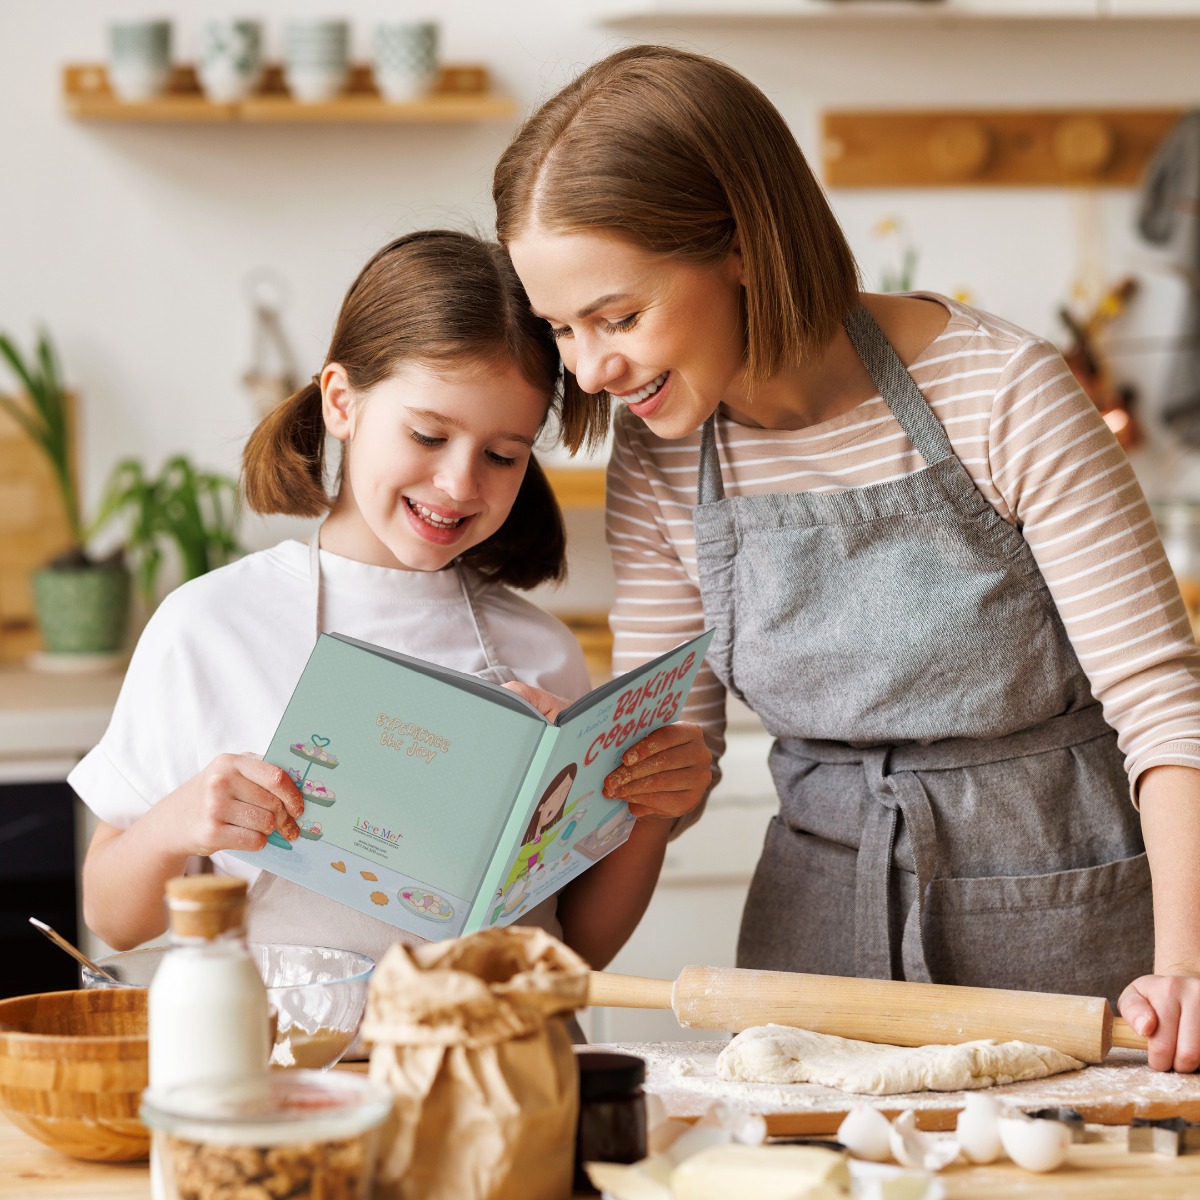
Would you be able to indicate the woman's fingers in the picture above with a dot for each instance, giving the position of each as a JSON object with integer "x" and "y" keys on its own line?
{"x": 666, "y": 774}
{"x": 547, "y": 703}
{"x": 1173, "y": 1028}
{"x": 247, "y": 794}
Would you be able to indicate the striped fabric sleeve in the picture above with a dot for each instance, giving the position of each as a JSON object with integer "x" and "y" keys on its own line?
{"x": 657, "y": 602}
{"x": 1075, "y": 497}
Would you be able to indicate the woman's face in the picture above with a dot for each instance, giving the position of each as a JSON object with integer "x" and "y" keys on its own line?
{"x": 435, "y": 457}
{"x": 661, "y": 335}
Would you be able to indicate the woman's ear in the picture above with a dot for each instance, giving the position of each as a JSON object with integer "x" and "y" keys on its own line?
{"x": 337, "y": 402}
{"x": 739, "y": 262}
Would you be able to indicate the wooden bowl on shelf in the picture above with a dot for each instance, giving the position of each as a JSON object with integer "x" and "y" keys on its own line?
{"x": 72, "y": 1069}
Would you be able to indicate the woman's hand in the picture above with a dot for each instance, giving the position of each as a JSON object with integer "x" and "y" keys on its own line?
{"x": 666, "y": 774}
{"x": 547, "y": 703}
{"x": 233, "y": 804}
{"x": 1166, "y": 1010}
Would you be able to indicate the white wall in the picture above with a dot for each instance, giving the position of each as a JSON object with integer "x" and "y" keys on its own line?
{"x": 133, "y": 242}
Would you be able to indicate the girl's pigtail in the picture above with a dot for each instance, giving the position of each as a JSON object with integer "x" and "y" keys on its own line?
{"x": 283, "y": 465}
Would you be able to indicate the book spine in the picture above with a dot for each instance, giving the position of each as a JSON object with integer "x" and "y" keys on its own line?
{"x": 518, "y": 818}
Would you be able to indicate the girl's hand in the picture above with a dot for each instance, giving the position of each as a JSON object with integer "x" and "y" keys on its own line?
{"x": 1166, "y": 1010}
{"x": 666, "y": 774}
{"x": 233, "y": 804}
{"x": 547, "y": 703}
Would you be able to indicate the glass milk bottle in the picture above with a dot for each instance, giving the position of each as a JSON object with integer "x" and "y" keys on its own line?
{"x": 207, "y": 1001}
{"x": 209, "y": 1018}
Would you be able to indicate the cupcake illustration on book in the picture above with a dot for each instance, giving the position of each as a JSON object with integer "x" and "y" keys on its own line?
{"x": 318, "y": 793}
{"x": 310, "y": 829}
{"x": 316, "y": 753}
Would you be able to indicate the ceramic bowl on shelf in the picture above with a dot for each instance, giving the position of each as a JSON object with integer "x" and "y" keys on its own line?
{"x": 72, "y": 1069}
{"x": 318, "y": 992}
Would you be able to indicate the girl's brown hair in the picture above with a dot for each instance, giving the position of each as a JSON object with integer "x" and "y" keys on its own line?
{"x": 440, "y": 298}
{"x": 683, "y": 156}
{"x": 568, "y": 772}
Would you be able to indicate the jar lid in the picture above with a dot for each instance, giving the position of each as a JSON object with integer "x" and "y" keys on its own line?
{"x": 605, "y": 1073}
{"x": 278, "y": 1107}
{"x": 205, "y": 906}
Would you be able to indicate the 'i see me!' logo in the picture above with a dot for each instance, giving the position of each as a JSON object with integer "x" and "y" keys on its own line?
{"x": 379, "y": 832}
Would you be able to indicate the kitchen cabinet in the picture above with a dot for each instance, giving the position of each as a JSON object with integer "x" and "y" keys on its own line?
{"x": 1152, "y": 8}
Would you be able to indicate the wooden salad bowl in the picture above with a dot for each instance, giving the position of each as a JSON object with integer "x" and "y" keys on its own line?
{"x": 72, "y": 1069}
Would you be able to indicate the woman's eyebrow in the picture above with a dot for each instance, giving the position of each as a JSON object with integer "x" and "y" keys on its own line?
{"x": 587, "y": 310}
{"x": 430, "y": 414}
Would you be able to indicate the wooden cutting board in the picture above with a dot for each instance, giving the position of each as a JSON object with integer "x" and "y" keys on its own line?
{"x": 683, "y": 1076}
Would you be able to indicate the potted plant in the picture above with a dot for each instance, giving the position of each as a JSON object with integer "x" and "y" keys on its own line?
{"x": 82, "y": 601}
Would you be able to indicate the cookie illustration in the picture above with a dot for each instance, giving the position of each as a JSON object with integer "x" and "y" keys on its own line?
{"x": 310, "y": 829}
{"x": 339, "y": 866}
{"x": 429, "y": 905}
{"x": 379, "y": 898}
{"x": 370, "y": 875}
{"x": 314, "y": 751}
{"x": 310, "y": 789}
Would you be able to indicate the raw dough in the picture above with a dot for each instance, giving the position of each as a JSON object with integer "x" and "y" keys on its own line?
{"x": 780, "y": 1054}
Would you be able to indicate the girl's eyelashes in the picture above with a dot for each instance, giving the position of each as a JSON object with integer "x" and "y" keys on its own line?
{"x": 558, "y": 332}
{"x": 425, "y": 439}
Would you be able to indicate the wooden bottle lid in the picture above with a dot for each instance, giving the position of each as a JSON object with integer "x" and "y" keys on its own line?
{"x": 204, "y": 906}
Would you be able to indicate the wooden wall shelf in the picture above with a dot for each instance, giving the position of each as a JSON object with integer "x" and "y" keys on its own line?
{"x": 462, "y": 93}
{"x": 994, "y": 148}
{"x": 577, "y": 487}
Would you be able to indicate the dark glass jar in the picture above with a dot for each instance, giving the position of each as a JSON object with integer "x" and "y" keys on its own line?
{"x": 612, "y": 1111}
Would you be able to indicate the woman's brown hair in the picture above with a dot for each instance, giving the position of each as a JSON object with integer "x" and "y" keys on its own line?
{"x": 683, "y": 156}
{"x": 437, "y": 297}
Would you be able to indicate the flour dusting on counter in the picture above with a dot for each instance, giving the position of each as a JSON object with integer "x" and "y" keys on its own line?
{"x": 683, "y": 1075}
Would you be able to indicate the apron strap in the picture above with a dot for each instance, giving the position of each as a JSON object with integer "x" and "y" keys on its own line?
{"x": 709, "y": 487}
{"x": 898, "y": 388}
{"x": 493, "y": 671}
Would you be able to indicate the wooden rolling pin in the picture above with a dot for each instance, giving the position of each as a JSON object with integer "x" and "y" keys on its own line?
{"x": 893, "y": 1012}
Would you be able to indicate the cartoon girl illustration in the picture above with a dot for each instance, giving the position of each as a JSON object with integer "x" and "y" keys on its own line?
{"x": 551, "y": 805}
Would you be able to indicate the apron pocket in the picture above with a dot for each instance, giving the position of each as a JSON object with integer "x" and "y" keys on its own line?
{"x": 1086, "y": 932}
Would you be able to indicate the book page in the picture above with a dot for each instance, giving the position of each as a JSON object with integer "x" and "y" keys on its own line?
{"x": 571, "y": 824}
{"x": 408, "y": 780}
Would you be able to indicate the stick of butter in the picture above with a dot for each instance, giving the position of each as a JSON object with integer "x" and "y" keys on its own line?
{"x": 764, "y": 1172}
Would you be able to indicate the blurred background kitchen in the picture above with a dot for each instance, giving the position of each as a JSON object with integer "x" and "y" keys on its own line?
{"x": 186, "y": 255}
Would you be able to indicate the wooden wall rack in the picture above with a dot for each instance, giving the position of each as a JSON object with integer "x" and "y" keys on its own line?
{"x": 462, "y": 93}
{"x": 1107, "y": 147}
{"x": 577, "y": 487}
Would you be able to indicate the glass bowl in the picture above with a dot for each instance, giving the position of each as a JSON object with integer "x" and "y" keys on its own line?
{"x": 306, "y": 1135}
{"x": 318, "y": 992}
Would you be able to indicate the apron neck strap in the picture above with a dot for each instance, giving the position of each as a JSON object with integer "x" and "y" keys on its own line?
{"x": 709, "y": 487}
{"x": 493, "y": 668}
{"x": 898, "y": 388}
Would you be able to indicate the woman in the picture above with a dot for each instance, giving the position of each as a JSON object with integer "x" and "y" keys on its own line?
{"x": 931, "y": 571}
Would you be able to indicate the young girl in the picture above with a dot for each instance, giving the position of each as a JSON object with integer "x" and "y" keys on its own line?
{"x": 929, "y": 566}
{"x": 437, "y": 381}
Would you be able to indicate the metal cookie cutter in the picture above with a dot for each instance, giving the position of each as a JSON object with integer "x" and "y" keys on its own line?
{"x": 1168, "y": 1135}
{"x": 1072, "y": 1118}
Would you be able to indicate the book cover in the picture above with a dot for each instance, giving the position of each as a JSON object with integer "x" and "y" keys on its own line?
{"x": 442, "y": 803}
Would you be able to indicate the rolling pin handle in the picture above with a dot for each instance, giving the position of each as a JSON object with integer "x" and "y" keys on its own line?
{"x": 628, "y": 991}
{"x": 1125, "y": 1036}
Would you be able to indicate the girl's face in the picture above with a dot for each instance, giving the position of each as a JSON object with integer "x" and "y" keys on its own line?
{"x": 663, "y": 336}
{"x": 434, "y": 459}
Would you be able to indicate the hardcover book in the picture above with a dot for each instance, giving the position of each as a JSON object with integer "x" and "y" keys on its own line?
{"x": 443, "y": 803}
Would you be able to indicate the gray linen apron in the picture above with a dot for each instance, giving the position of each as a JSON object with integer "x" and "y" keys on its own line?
{"x": 282, "y": 911}
{"x": 954, "y": 806}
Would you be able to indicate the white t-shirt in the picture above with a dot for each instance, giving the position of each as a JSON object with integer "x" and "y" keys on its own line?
{"x": 219, "y": 660}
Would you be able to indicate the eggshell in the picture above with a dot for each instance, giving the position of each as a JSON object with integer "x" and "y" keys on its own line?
{"x": 978, "y": 1129}
{"x": 1035, "y": 1145}
{"x": 918, "y": 1150}
{"x": 865, "y": 1132}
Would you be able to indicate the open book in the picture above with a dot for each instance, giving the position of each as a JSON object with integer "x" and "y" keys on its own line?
{"x": 442, "y": 803}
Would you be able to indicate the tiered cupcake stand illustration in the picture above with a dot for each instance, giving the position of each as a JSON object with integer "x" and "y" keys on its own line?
{"x": 315, "y": 752}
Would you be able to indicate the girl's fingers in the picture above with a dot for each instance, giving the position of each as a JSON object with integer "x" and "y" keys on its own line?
{"x": 275, "y": 781}
{"x": 1138, "y": 1011}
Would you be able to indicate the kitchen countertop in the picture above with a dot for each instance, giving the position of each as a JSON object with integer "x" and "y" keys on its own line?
{"x": 45, "y": 715}
{"x": 1096, "y": 1171}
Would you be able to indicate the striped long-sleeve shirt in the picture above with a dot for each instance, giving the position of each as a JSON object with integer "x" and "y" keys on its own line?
{"x": 1038, "y": 451}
